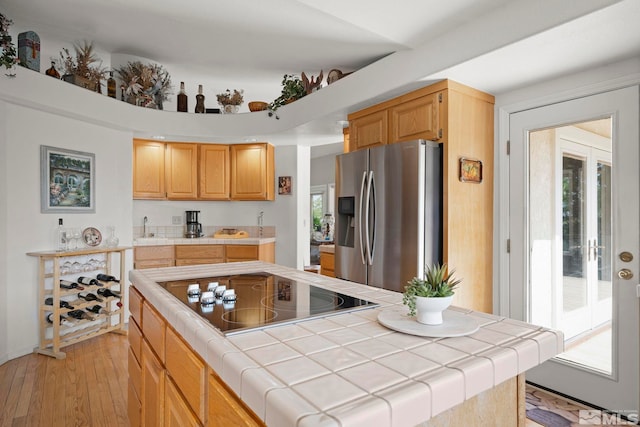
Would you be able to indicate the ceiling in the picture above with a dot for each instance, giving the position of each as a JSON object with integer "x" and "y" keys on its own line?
{"x": 493, "y": 45}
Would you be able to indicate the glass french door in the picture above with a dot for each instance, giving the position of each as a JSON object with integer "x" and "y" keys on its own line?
{"x": 574, "y": 220}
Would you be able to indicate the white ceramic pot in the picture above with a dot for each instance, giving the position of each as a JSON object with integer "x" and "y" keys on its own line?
{"x": 429, "y": 310}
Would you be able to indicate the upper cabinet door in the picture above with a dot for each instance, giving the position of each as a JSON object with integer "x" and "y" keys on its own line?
{"x": 182, "y": 171}
{"x": 214, "y": 172}
{"x": 368, "y": 131}
{"x": 416, "y": 119}
{"x": 148, "y": 170}
{"x": 252, "y": 172}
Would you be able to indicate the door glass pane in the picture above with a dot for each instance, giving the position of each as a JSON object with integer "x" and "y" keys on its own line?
{"x": 574, "y": 278}
{"x": 570, "y": 228}
{"x": 604, "y": 232}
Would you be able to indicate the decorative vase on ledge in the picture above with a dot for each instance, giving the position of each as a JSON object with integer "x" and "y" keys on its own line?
{"x": 80, "y": 81}
{"x": 230, "y": 109}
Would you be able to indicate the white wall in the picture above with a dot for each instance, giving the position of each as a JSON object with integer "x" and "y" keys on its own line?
{"x": 323, "y": 170}
{"x": 28, "y": 230}
{"x": 24, "y": 229}
{"x": 4, "y": 241}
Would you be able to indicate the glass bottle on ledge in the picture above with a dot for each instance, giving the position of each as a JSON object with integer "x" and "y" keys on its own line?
{"x": 111, "y": 86}
{"x": 199, "y": 100}
{"x": 182, "y": 99}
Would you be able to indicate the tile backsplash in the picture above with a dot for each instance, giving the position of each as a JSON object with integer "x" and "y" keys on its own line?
{"x": 177, "y": 231}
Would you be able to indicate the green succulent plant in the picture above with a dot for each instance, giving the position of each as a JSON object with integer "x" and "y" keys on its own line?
{"x": 437, "y": 282}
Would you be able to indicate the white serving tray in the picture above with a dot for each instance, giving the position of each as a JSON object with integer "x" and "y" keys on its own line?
{"x": 454, "y": 324}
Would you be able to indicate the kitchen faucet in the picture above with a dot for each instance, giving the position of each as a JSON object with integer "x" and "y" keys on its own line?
{"x": 144, "y": 227}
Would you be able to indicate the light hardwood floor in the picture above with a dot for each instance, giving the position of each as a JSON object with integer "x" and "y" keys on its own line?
{"x": 87, "y": 388}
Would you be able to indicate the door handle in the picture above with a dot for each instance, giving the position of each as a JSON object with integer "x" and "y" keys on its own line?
{"x": 625, "y": 274}
{"x": 371, "y": 195}
{"x": 364, "y": 182}
{"x": 626, "y": 256}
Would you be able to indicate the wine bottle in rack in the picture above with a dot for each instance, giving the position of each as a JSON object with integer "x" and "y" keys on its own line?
{"x": 81, "y": 314}
{"x": 90, "y": 297}
{"x": 98, "y": 309}
{"x": 107, "y": 278}
{"x": 88, "y": 281}
{"x": 63, "y": 304}
{"x": 105, "y": 292}
{"x": 66, "y": 284}
{"x": 63, "y": 320}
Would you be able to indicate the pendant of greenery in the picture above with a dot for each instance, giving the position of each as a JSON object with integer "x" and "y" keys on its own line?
{"x": 84, "y": 63}
{"x": 9, "y": 54}
{"x": 436, "y": 283}
{"x": 148, "y": 85}
{"x": 292, "y": 89}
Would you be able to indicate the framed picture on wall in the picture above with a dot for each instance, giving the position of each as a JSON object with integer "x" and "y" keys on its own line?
{"x": 284, "y": 185}
{"x": 67, "y": 181}
{"x": 470, "y": 170}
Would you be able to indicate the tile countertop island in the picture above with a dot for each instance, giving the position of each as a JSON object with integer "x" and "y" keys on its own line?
{"x": 349, "y": 370}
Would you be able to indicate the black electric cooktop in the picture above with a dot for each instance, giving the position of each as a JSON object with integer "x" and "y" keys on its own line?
{"x": 261, "y": 300}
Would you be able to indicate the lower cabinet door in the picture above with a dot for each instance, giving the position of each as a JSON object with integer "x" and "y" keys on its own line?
{"x": 224, "y": 408}
{"x": 133, "y": 407}
{"x": 153, "y": 379}
{"x": 176, "y": 410}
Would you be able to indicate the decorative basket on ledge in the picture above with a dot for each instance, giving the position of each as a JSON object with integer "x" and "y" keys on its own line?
{"x": 257, "y": 106}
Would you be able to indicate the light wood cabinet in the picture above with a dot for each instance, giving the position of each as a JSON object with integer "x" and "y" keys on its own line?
{"x": 135, "y": 339}
{"x": 368, "y": 130}
{"x": 327, "y": 262}
{"x": 153, "y": 256}
{"x": 134, "y": 407}
{"x": 148, "y": 169}
{"x": 181, "y": 171}
{"x": 199, "y": 254}
{"x": 153, "y": 383}
{"x": 461, "y": 119}
{"x": 181, "y": 390}
{"x": 153, "y": 330}
{"x": 225, "y": 409}
{"x": 252, "y": 172}
{"x": 176, "y": 411}
{"x": 238, "y": 253}
{"x": 187, "y": 371}
{"x": 214, "y": 172}
{"x": 416, "y": 119}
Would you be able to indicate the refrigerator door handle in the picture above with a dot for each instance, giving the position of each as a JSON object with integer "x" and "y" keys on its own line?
{"x": 362, "y": 188}
{"x": 371, "y": 231}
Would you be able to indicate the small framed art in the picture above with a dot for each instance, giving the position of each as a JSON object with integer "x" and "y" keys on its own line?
{"x": 470, "y": 170}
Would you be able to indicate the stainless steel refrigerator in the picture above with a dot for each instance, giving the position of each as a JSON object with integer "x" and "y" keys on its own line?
{"x": 389, "y": 213}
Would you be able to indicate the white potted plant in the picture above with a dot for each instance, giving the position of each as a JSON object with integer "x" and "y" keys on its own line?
{"x": 429, "y": 296}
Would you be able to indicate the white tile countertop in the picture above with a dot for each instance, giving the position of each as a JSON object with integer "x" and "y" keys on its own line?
{"x": 327, "y": 248}
{"x": 158, "y": 241}
{"x": 347, "y": 369}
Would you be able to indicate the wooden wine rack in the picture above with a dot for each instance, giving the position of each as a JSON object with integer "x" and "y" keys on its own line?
{"x": 49, "y": 275}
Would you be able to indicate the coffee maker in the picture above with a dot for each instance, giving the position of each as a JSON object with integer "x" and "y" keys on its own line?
{"x": 194, "y": 228}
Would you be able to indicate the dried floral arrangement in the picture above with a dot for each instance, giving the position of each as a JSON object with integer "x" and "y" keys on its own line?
{"x": 228, "y": 98}
{"x": 148, "y": 85}
{"x": 85, "y": 63}
{"x": 9, "y": 56}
